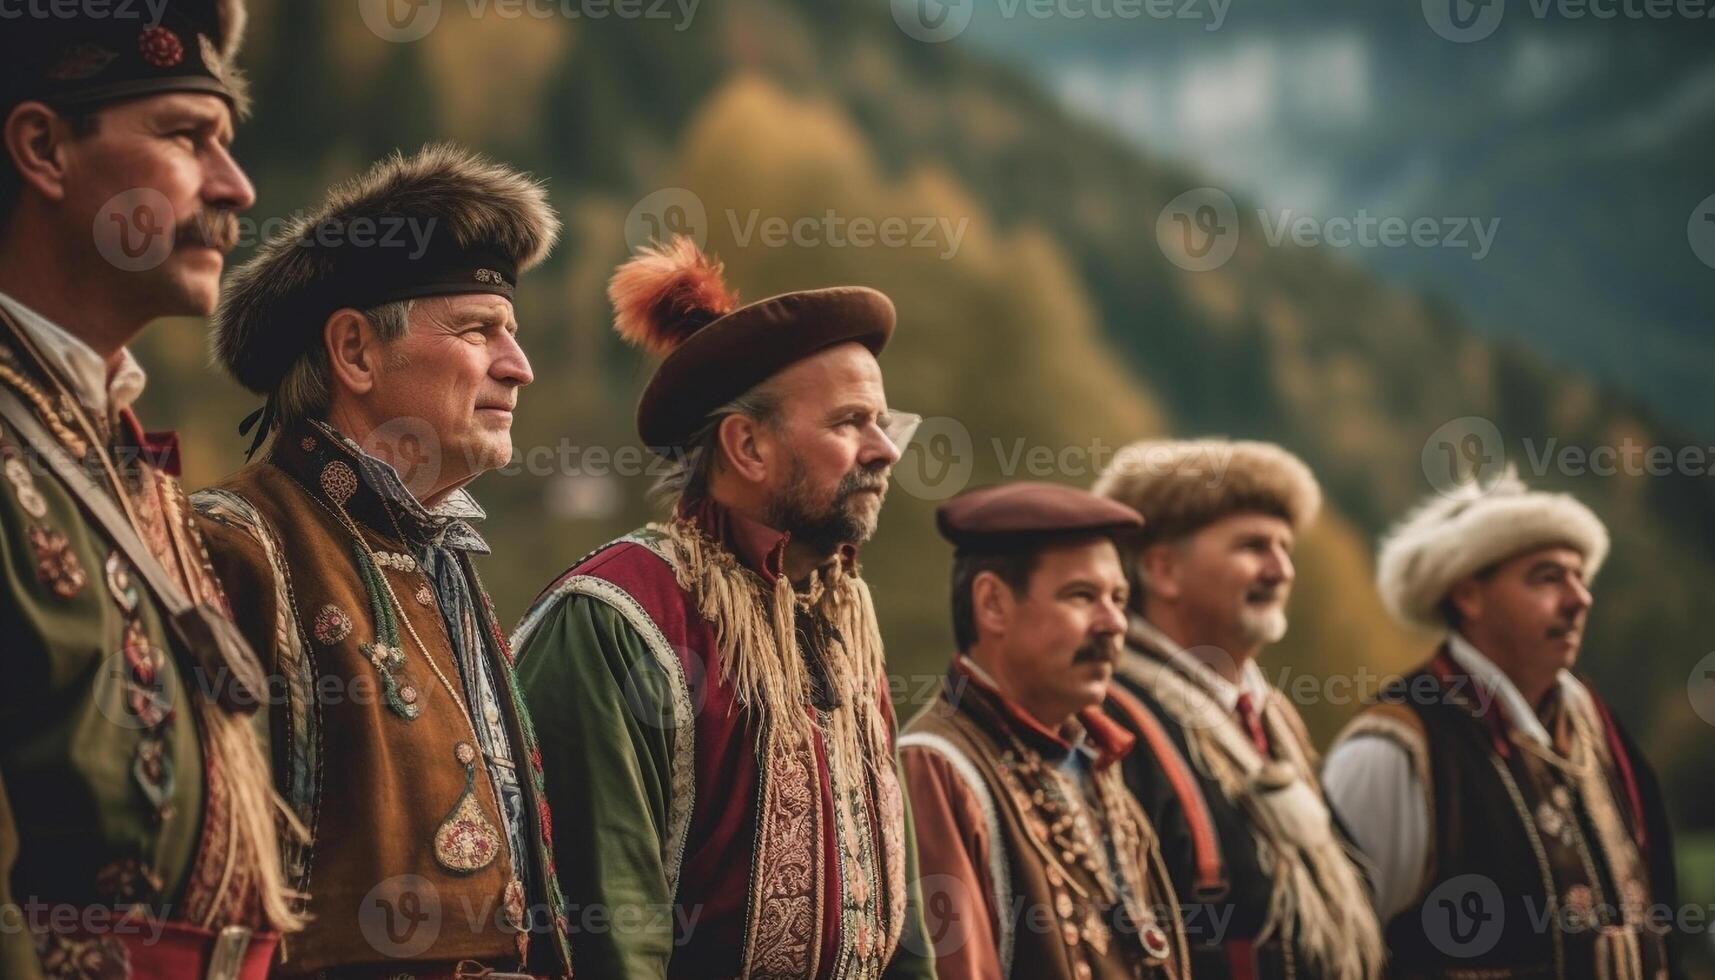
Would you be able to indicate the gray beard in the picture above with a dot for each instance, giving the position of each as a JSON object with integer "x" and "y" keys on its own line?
{"x": 1263, "y": 628}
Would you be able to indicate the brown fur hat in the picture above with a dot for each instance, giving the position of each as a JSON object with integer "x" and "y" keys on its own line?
{"x": 442, "y": 222}
{"x": 1184, "y": 484}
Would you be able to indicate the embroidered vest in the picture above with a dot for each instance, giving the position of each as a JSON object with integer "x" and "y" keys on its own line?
{"x": 408, "y": 861}
{"x": 797, "y": 866}
{"x": 1535, "y": 869}
{"x": 1061, "y": 852}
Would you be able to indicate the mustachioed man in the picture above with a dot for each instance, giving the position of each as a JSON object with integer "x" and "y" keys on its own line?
{"x": 1036, "y": 860}
{"x": 1513, "y": 825}
{"x": 138, "y": 825}
{"x": 1264, "y": 875}
{"x": 710, "y": 689}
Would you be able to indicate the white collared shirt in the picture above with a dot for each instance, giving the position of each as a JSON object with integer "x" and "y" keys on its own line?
{"x": 82, "y": 370}
{"x": 1370, "y": 781}
{"x": 1225, "y": 692}
{"x": 1520, "y": 714}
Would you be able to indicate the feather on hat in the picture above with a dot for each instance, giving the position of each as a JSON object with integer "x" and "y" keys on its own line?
{"x": 672, "y": 300}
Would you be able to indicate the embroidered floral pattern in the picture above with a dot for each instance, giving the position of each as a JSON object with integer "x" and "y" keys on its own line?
{"x": 395, "y": 561}
{"x": 24, "y": 487}
{"x": 57, "y": 564}
{"x": 81, "y": 61}
{"x": 339, "y": 482}
{"x": 160, "y": 47}
{"x": 786, "y": 921}
{"x": 120, "y": 585}
{"x": 64, "y": 957}
{"x": 331, "y": 626}
{"x": 466, "y": 841}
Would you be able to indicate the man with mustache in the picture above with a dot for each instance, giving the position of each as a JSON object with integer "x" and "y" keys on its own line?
{"x": 1036, "y": 860}
{"x": 1229, "y": 778}
{"x": 138, "y": 825}
{"x": 1513, "y": 826}
{"x": 710, "y": 691}
{"x": 391, "y": 365}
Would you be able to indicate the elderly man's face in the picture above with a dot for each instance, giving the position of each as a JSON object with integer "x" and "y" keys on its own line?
{"x": 157, "y": 182}
{"x": 830, "y": 455}
{"x": 457, "y": 369}
{"x": 1232, "y": 579}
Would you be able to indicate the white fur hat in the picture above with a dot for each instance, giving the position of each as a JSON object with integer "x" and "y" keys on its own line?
{"x": 1450, "y": 536}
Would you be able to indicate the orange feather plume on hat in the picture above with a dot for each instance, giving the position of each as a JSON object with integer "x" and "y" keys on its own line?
{"x": 666, "y": 293}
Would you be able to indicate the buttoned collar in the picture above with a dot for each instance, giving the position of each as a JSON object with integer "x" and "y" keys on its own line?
{"x": 1090, "y": 732}
{"x": 1141, "y": 634}
{"x": 80, "y": 368}
{"x": 321, "y": 457}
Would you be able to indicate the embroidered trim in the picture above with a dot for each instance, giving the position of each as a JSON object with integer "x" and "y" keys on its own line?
{"x": 683, "y": 735}
{"x": 465, "y": 841}
{"x": 783, "y": 932}
{"x": 1000, "y": 871}
{"x": 294, "y": 657}
{"x": 1541, "y": 854}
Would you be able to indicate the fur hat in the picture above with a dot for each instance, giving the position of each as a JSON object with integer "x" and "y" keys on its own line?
{"x": 82, "y": 58}
{"x": 1184, "y": 484}
{"x": 1450, "y": 536}
{"x": 671, "y": 299}
{"x": 443, "y": 222}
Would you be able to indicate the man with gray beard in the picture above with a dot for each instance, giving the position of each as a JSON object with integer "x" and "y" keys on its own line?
{"x": 1227, "y": 773}
{"x": 709, "y": 691}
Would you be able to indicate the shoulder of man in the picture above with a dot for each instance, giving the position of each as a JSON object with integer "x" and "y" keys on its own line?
{"x": 627, "y": 573}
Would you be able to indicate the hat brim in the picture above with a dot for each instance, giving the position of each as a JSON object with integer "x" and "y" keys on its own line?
{"x": 748, "y": 346}
{"x": 1429, "y": 553}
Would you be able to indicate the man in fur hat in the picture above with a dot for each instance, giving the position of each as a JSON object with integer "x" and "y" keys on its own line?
{"x": 382, "y": 325}
{"x": 138, "y": 831}
{"x": 1513, "y": 826}
{"x": 1263, "y": 875}
{"x": 1037, "y": 862}
{"x": 710, "y": 691}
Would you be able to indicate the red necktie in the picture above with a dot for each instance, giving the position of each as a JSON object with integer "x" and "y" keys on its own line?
{"x": 1253, "y": 724}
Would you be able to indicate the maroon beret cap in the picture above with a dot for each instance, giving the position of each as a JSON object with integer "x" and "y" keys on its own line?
{"x": 750, "y": 345}
{"x": 1019, "y": 514}
{"x": 671, "y": 299}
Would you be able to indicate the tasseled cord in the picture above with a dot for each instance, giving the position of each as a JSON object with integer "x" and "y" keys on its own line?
{"x": 756, "y": 633}
{"x": 258, "y": 813}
